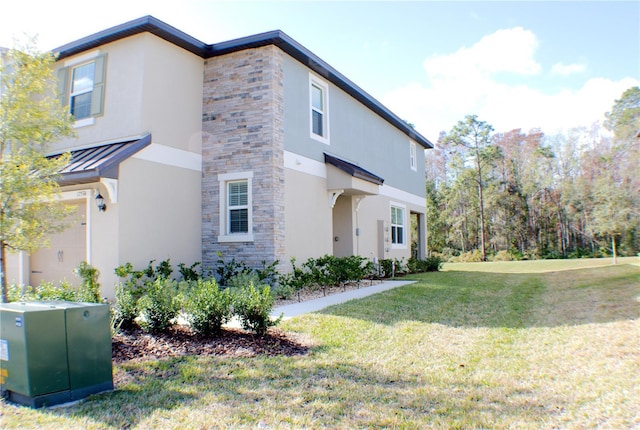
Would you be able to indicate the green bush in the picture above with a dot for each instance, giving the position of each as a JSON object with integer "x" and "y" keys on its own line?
{"x": 89, "y": 290}
{"x": 125, "y": 310}
{"x": 48, "y": 291}
{"x": 159, "y": 306}
{"x": 253, "y": 307}
{"x": 292, "y": 282}
{"x": 243, "y": 278}
{"x": 391, "y": 267}
{"x": 190, "y": 273}
{"x": 268, "y": 273}
{"x": 429, "y": 264}
{"x": 474, "y": 256}
{"x": 228, "y": 269}
{"x": 208, "y": 307}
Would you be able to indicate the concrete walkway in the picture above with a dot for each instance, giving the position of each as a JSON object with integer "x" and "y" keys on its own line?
{"x": 334, "y": 299}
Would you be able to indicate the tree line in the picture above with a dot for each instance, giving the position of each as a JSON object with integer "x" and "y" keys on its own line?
{"x": 531, "y": 195}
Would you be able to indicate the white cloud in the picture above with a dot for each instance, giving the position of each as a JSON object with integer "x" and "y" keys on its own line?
{"x": 562, "y": 69}
{"x": 503, "y": 51}
{"x": 468, "y": 82}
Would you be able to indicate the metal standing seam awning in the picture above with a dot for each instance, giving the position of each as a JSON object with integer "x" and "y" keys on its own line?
{"x": 353, "y": 169}
{"x": 95, "y": 163}
{"x": 347, "y": 178}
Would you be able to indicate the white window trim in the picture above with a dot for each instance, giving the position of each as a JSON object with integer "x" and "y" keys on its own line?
{"x": 85, "y": 58}
{"x": 223, "y": 180}
{"x": 402, "y": 245}
{"x": 413, "y": 156}
{"x": 314, "y": 80}
{"x": 84, "y": 122}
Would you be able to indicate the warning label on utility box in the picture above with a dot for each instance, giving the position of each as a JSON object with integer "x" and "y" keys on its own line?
{"x": 4, "y": 350}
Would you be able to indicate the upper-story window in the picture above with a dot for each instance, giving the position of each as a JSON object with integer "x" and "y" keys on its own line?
{"x": 81, "y": 86}
{"x": 82, "y": 90}
{"x": 413, "y": 156}
{"x": 319, "y": 109}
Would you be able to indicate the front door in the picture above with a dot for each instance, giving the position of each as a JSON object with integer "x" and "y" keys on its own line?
{"x": 65, "y": 252}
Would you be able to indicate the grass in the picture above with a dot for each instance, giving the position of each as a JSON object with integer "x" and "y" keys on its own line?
{"x": 457, "y": 349}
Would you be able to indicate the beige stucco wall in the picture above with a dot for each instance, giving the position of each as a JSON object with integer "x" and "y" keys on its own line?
{"x": 151, "y": 86}
{"x": 172, "y": 95}
{"x": 309, "y": 215}
{"x": 159, "y": 216}
{"x": 308, "y": 224}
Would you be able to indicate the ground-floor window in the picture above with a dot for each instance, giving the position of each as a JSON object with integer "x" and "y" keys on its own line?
{"x": 397, "y": 225}
{"x": 236, "y": 207}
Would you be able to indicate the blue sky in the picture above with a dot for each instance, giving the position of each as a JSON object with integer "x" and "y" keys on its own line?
{"x": 514, "y": 64}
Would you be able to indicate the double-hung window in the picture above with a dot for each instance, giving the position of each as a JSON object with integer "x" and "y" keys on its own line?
{"x": 319, "y": 109}
{"x": 236, "y": 224}
{"x": 81, "y": 86}
{"x": 238, "y": 207}
{"x": 398, "y": 226}
{"x": 82, "y": 90}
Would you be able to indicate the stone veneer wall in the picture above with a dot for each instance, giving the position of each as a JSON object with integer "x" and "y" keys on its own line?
{"x": 243, "y": 130}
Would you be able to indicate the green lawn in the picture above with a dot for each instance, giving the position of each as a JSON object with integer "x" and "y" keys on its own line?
{"x": 547, "y": 348}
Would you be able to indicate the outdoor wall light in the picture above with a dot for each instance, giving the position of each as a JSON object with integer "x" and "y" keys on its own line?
{"x": 100, "y": 202}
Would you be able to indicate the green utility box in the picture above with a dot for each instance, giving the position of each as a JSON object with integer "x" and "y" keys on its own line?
{"x": 54, "y": 352}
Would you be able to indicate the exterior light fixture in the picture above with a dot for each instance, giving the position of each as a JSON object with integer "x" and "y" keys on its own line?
{"x": 100, "y": 202}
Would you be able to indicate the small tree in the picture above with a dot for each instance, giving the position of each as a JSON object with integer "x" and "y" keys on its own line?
{"x": 30, "y": 118}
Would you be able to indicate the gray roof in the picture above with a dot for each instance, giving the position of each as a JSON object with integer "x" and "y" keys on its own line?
{"x": 277, "y": 38}
{"x": 102, "y": 161}
{"x": 353, "y": 169}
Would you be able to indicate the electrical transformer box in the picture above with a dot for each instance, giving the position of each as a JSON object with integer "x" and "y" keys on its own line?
{"x": 54, "y": 352}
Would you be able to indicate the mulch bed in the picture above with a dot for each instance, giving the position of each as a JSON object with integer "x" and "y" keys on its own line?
{"x": 137, "y": 345}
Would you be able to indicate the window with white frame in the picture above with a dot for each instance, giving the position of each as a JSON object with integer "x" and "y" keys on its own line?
{"x": 82, "y": 90}
{"x": 398, "y": 226}
{"x": 236, "y": 224}
{"x": 319, "y": 109}
{"x": 413, "y": 156}
{"x": 81, "y": 86}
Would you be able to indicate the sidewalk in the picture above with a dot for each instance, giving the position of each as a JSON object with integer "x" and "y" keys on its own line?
{"x": 315, "y": 305}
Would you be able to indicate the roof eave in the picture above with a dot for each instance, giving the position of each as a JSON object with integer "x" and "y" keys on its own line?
{"x": 145, "y": 24}
{"x": 277, "y": 38}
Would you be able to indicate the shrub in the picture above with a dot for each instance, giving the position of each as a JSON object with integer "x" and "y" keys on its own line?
{"x": 474, "y": 256}
{"x": 125, "y": 310}
{"x": 292, "y": 282}
{"x": 253, "y": 307}
{"x": 48, "y": 291}
{"x": 208, "y": 307}
{"x": 391, "y": 267}
{"x": 89, "y": 290}
{"x": 159, "y": 305}
{"x": 268, "y": 273}
{"x": 189, "y": 273}
{"x": 503, "y": 255}
{"x": 320, "y": 270}
{"x": 229, "y": 269}
{"x": 243, "y": 278}
{"x": 429, "y": 264}
{"x": 139, "y": 279}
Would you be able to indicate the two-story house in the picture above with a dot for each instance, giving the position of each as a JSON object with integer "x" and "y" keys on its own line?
{"x": 255, "y": 148}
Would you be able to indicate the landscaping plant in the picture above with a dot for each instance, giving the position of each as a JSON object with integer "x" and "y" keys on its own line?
{"x": 208, "y": 307}
{"x": 253, "y": 306}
